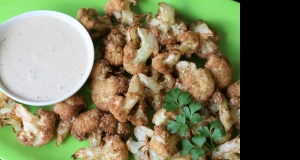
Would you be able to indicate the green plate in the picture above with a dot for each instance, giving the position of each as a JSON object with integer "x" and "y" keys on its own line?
{"x": 221, "y": 15}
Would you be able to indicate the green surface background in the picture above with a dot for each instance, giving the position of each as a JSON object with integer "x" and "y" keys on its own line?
{"x": 221, "y": 15}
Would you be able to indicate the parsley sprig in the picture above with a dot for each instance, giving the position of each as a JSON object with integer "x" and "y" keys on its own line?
{"x": 186, "y": 119}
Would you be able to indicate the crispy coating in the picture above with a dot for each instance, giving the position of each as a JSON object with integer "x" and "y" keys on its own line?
{"x": 166, "y": 25}
{"x": 156, "y": 89}
{"x": 120, "y": 9}
{"x": 115, "y": 43}
{"x": 163, "y": 143}
{"x": 7, "y": 116}
{"x": 67, "y": 110}
{"x": 121, "y": 106}
{"x": 234, "y": 109}
{"x": 112, "y": 149}
{"x": 232, "y": 146}
{"x": 100, "y": 70}
{"x": 103, "y": 91}
{"x": 208, "y": 39}
{"x": 85, "y": 123}
{"x": 198, "y": 82}
{"x": 108, "y": 123}
{"x": 138, "y": 115}
{"x": 70, "y": 107}
{"x": 135, "y": 59}
{"x": 96, "y": 25}
{"x": 37, "y": 129}
{"x": 165, "y": 62}
{"x": 218, "y": 103}
{"x": 189, "y": 43}
{"x": 123, "y": 130}
{"x": 234, "y": 90}
{"x": 221, "y": 71}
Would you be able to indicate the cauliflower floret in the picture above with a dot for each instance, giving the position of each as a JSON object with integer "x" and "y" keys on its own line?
{"x": 96, "y": 25}
{"x": 156, "y": 90}
{"x": 232, "y": 146}
{"x": 166, "y": 25}
{"x": 7, "y": 116}
{"x": 140, "y": 148}
{"x": 85, "y": 123}
{"x": 135, "y": 59}
{"x": 114, "y": 45}
{"x": 189, "y": 43}
{"x": 165, "y": 62}
{"x": 231, "y": 156}
{"x": 138, "y": 115}
{"x": 163, "y": 143}
{"x": 121, "y": 106}
{"x": 104, "y": 86}
{"x": 110, "y": 125}
{"x": 234, "y": 90}
{"x": 103, "y": 91}
{"x": 198, "y": 82}
{"x": 208, "y": 39}
{"x": 221, "y": 71}
{"x": 218, "y": 105}
{"x": 67, "y": 110}
{"x": 100, "y": 70}
{"x": 120, "y": 9}
{"x": 234, "y": 109}
{"x": 112, "y": 149}
{"x": 37, "y": 129}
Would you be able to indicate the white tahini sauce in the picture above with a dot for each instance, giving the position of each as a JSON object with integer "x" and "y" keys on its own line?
{"x": 42, "y": 58}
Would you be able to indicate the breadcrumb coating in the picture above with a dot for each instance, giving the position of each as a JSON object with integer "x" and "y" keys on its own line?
{"x": 85, "y": 123}
{"x": 221, "y": 70}
{"x": 199, "y": 82}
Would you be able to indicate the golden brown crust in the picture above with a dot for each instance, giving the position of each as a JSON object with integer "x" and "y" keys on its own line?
{"x": 70, "y": 107}
{"x": 221, "y": 70}
{"x": 234, "y": 90}
{"x": 108, "y": 123}
{"x": 85, "y": 123}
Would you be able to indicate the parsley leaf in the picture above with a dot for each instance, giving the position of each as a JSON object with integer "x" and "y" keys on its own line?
{"x": 186, "y": 119}
{"x": 186, "y": 147}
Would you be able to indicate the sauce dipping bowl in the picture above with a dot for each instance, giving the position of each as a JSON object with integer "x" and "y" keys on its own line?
{"x": 41, "y": 63}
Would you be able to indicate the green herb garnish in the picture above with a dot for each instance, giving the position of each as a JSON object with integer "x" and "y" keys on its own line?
{"x": 186, "y": 119}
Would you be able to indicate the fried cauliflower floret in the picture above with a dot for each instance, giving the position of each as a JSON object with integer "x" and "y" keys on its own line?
{"x": 112, "y": 149}
{"x": 86, "y": 123}
{"x": 37, "y": 129}
{"x": 218, "y": 105}
{"x": 110, "y": 125}
{"x": 163, "y": 143}
{"x": 140, "y": 149}
{"x": 189, "y": 43}
{"x": 96, "y": 25}
{"x": 232, "y": 146}
{"x": 208, "y": 39}
{"x": 7, "y": 116}
{"x": 165, "y": 62}
{"x": 120, "y": 9}
{"x": 121, "y": 106}
{"x": 235, "y": 113}
{"x": 138, "y": 115}
{"x": 234, "y": 90}
{"x": 100, "y": 70}
{"x": 67, "y": 110}
{"x": 198, "y": 82}
{"x": 103, "y": 91}
{"x": 166, "y": 25}
{"x": 221, "y": 70}
{"x": 115, "y": 43}
{"x": 156, "y": 89}
{"x": 135, "y": 58}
